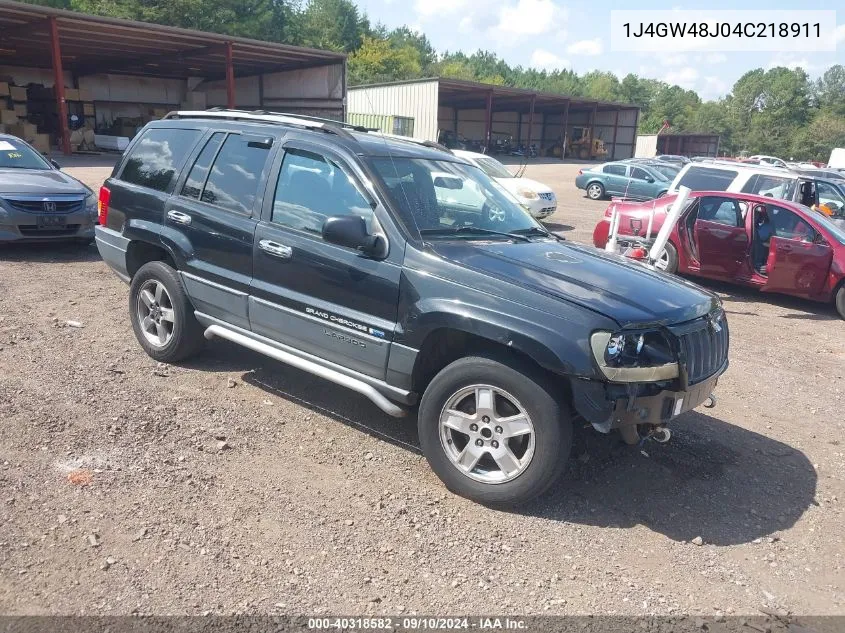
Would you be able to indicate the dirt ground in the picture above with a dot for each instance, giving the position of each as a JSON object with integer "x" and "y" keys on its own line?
{"x": 233, "y": 484}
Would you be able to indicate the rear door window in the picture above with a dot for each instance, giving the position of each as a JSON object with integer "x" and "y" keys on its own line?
{"x": 640, "y": 174}
{"x": 790, "y": 226}
{"x": 157, "y": 156}
{"x": 707, "y": 179}
{"x": 236, "y": 173}
{"x": 721, "y": 211}
{"x": 199, "y": 172}
{"x": 615, "y": 170}
{"x": 770, "y": 186}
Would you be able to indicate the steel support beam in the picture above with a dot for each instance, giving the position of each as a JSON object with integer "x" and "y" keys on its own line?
{"x": 519, "y": 130}
{"x": 615, "y": 129}
{"x": 564, "y": 136}
{"x": 59, "y": 88}
{"x": 592, "y": 129}
{"x": 488, "y": 128}
{"x": 230, "y": 78}
{"x": 531, "y": 120}
{"x": 457, "y": 110}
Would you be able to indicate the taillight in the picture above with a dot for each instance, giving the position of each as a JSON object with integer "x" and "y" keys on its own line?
{"x": 103, "y": 205}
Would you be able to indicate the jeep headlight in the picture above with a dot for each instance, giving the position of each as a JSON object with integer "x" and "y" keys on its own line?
{"x": 634, "y": 356}
{"x": 527, "y": 194}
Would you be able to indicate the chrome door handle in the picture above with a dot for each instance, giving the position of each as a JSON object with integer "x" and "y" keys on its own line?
{"x": 275, "y": 249}
{"x": 179, "y": 217}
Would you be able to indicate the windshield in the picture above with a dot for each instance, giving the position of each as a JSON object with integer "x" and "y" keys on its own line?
{"x": 448, "y": 199}
{"x": 15, "y": 154}
{"x": 836, "y": 228}
{"x": 493, "y": 168}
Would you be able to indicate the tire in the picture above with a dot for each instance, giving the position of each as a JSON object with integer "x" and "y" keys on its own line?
{"x": 595, "y": 191}
{"x": 839, "y": 301}
{"x": 540, "y": 454}
{"x": 668, "y": 262}
{"x": 661, "y": 194}
{"x": 158, "y": 284}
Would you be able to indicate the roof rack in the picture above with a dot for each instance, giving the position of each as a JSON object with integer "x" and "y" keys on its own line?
{"x": 416, "y": 141}
{"x": 310, "y": 123}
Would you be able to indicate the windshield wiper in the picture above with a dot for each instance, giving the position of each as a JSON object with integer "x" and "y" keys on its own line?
{"x": 474, "y": 229}
{"x": 536, "y": 230}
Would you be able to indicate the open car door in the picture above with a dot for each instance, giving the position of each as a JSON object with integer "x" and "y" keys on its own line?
{"x": 797, "y": 267}
{"x": 721, "y": 238}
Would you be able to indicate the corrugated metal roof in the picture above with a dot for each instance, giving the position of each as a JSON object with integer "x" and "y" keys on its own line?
{"x": 93, "y": 44}
{"x": 473, "y": 94}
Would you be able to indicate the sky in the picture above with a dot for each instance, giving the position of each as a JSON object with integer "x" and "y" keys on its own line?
{"x": 575, "y": 34}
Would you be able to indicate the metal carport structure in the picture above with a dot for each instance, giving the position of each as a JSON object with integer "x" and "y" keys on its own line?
{"x": 479, "y": 110}
{"x": 76, "y": 45}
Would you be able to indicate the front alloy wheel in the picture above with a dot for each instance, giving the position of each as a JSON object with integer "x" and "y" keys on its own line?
{"x": 487, "y": 434}
{"x": 595, "y": 191}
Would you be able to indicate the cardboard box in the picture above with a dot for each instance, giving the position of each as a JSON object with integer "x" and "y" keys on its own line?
{"x": 71, "y": 94}
{"x": 85, "y": 94}
{"x": 24, "y": 130}
{"x": 20, "y": 110}
{"x": 18, "y": 93}
{"x": 88, "y": 109}
{"x": 4, "y": 88}
{"x": 8, "y": 117}
{"x": 41, "y": 142}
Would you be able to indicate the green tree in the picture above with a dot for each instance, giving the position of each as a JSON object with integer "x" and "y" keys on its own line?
{"x": 829, "y": 90}
{"x": 333, "y": 25}
{"x": 379, "y": 60}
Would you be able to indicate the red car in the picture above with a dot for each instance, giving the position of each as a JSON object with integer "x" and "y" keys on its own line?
{"x": 762, "y": 242}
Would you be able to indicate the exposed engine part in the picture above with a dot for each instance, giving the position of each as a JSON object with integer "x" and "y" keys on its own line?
{"x": 629, "y": 434}
{"x": 661, "y": 434}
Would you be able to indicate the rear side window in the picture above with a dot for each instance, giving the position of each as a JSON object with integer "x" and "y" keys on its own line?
{"x": 157, "y": 156}
{"x": 236, "y": 173}
{"x": 614, "y": 170}
{"x": 199, "y": 172}
{"x": 707, "y": 179}
{"x": 721, "y": 211}
{"x": 770, "y": 186}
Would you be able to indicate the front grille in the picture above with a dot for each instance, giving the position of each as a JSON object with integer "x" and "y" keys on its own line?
{"x": 32, "y": 230}
{"x": 548, "y": 210}
{"x": 30, "y": 205}
{"x": 704, "y": 348}
{"x": 547, "y": 196}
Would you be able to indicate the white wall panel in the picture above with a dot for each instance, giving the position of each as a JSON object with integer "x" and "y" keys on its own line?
{"x": 416, "y": 100}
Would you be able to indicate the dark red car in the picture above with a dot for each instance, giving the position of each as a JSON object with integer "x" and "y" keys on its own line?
{"x": 762, "y": 242}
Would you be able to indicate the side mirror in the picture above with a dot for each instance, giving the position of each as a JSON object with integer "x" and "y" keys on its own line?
{"x": 444, "y": 182}
{"x": 55, "y": 164}
{"x": 649, "y": 179}
{"x": 351, "y": 231}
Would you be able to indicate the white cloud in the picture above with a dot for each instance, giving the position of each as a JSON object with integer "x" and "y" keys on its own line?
{"x": 793, "y": 63}
{"x": 434, "y": 8}
{"x": 685, "y": 77}
{"x": 586, "y": 47}
{"x": 839, "y": 33}
{"x": 713, "y": 88}
{"x": 712, "y": 58}
{"x": 530, "y": 17}
{"x": 672, "y": 60}
{"x": 546, "y": 60}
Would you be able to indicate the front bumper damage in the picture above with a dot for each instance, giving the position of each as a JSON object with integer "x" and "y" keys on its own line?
{"x": 608, "y": 406}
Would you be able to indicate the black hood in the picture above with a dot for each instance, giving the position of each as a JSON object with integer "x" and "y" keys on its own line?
{"x": 38, "y": 182}
{"x": 621, "y": 289}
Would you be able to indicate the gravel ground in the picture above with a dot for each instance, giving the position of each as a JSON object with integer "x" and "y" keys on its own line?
{"x": 232, "y": 484}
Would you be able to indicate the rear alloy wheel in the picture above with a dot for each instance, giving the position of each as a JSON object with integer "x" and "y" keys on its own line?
{"x": 162, "y": 316}
{"x": 839, "y": 302}
{"x": 595, "y": 191}
{"x": 495, "y": 433}
{"x": 668, "y": 260}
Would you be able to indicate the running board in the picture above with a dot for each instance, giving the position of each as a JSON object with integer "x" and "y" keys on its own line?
{"x": 331, "y": 375}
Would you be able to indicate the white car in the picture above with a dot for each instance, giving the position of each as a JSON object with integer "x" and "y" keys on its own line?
{"x": 774, "y": 161}
{"x": 538, "y": 198}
